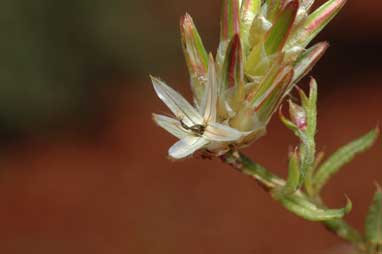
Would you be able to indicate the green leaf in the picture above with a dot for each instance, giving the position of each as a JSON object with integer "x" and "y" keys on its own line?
{"x": 302, "y": 207}
{"x": 341, "y": 157}
{"x": 344, "y": 230}
{"x": 315, "y": 22}
{"x": 308, "y": 59}
{"x": 258, "y": 30}
{"x": 267, "y": 80}
{"x": 233, "y": 73}
{"x": 266, "y": 101}
{"x": 293, "y": 180}
{"x": 195, "y": 54}
{"x": 257, "y": 60}
{"x": 373, "y": 223}
{"x": 229, "y": 26}
{"x": 311, "y": 110}
{"x": 230, "y": 20}
{"x": 273, "y": 8}
{"x": 289, "y": 124}
{"x": 278, "y": 35}
{"x": 248, "y": 11}
{"x": 308, "y": 145}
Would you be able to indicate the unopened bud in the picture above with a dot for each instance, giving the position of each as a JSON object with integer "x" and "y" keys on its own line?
{"x": 297, "y": 115}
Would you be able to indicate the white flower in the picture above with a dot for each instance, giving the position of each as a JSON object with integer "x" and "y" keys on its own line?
{"x": 195, "y": 128}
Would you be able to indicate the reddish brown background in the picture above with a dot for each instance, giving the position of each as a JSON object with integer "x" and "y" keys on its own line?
{"x": 104, "y": 185}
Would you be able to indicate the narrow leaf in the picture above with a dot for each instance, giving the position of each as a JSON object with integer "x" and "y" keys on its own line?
{"x": 311, "y": 110}
{"x": 269, "y": 102}
{"x": 256, "y": 54}
{"x": 273, "y": 8}
{"x": 279, "y": 32}
{"x": 288, "y": 123}
{"x": 230, "y": 20}
{"x": 248, "y": 11}
{"x": 229, "y": 26}
{"x": 301, "y": 207}
{"x": 308, "y": 145}
{"x": 259, "y": 27}
{"x": 373, "y": 223}
{"x": 308, "y": 59}
{"x": 233, "y": 73}
{"x": 267, "y": 81}
{"x": 293, "y": 181}
{"x": 233, "y": 64}
{"x": 315, "y": 22}
{"x": 258, "y": 62}
{"x": 195, "y": 54}
{"x": 343, "y": 156}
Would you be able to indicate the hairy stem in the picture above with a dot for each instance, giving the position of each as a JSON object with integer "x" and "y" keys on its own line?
{"x": 269, "y": 182}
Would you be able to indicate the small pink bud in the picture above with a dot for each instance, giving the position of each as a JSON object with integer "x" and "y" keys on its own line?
{"x": 297, "y": 115}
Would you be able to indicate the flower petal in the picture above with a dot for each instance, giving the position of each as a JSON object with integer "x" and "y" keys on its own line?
{"x": 186, "y": 146}
{"x": 181, "y": 108}
{"x": 208, "y": 106}
{"x": 171, "y": 125}
{"x": 220, "y": 132}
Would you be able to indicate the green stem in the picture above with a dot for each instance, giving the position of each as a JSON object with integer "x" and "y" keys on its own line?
{"x": 308, "y": 149}
{"x": 270, "y": 181}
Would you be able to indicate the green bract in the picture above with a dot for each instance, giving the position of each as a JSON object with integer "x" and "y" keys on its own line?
{"x": 261, "y": 55}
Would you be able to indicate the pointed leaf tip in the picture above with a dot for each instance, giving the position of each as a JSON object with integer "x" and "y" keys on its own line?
{"x": 304, "y": 208}
{"x": 278, "y": 34}
{"x": 248, "y": 11}
{"x": 233, "y": 73}
{"x": 195, "y": 54}
{"x": 305, "y": 63}
{"x": 289, "y": 124}
{"x": 316, "y": 21}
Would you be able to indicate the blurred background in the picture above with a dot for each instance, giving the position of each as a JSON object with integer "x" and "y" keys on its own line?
{"x": 84, "y": 168}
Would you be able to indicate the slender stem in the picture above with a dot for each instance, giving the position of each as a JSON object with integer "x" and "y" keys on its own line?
{"x": 309, "y": 149}
{"x": 269, "y": 182}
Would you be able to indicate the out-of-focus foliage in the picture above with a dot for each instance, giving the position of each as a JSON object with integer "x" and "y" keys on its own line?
{"x": 55, "y": 54}
{"x": 373, "y": 222}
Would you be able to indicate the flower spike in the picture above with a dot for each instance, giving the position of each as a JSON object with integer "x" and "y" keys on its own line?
{"x": 260, "y": 58}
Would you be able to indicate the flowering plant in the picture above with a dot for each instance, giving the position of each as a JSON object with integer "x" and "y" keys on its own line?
{"x": 261, "y": 56}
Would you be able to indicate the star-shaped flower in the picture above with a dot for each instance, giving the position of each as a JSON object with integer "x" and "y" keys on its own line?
{"x": 196, "y": 128}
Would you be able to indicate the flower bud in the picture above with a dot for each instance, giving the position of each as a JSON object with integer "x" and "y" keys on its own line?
{"x": 297, "y": 115}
